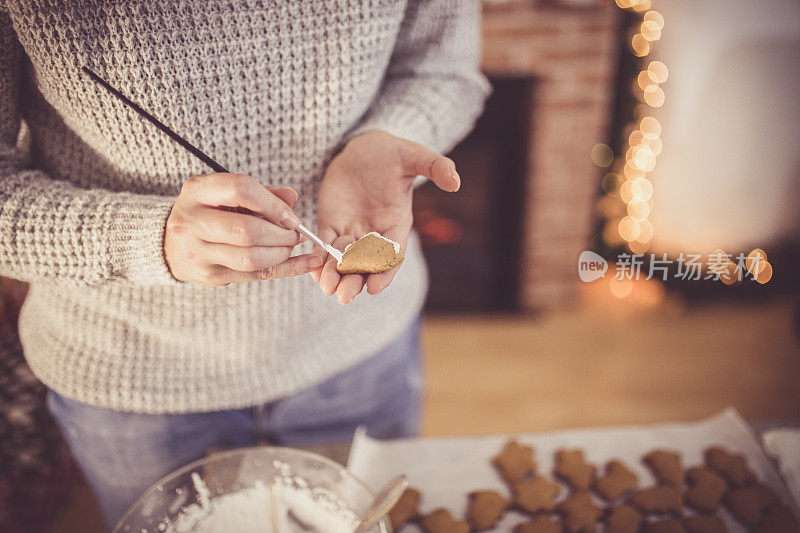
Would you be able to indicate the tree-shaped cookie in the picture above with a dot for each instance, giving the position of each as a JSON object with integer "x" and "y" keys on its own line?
{"x": 514, "y": 462}
{"x": 666, "y": 467}
{"x": 535, "y": 495}
{"x": 441, "y": 521}
{"x": 485, "y": 508}
{"x": 730, "y": 466}
{"x": 580, "y": 513}
{"x": 705, "y": 489}
{"x": 617, "y": 481}
{"x": 660, "y": 499}
{"x": 573, "y": 468}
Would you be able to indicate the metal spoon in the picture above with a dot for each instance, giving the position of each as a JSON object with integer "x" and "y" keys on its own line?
{"x": 384, "y": 501}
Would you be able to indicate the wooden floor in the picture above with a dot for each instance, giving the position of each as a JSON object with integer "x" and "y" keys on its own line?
{"x": 605, "y": 366}
{"x": 611, "y": 362}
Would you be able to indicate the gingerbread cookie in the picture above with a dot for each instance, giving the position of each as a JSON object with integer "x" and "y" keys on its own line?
{"x": 441, "y": 521}
{"x": 778, "y": 519}
{"x": 659, "y": 499}
{"x": 705, "y": 489}
{"x": 540, "y": 524}
{"x": 485, "y": 509}
{"x": 573, "y": 468}
{"x": 515, "y": 462}
{"x": 749, "y": 504}
{"x": 537, "y": 494}
{"x": 667, "y": 525}
{"x": 371, "y": 254}
{"x": 703, "y": 523}
{"x": 405, "y": 509}
{"x": 617, "y": 481}
{"x": 623, "y": 519}
{"x": 666, "y": 467}
{"x": 730, "y": 466}
{"x": 580, "y": 513}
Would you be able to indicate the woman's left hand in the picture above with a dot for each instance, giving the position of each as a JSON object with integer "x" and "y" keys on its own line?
{"x": 367, "y": 187}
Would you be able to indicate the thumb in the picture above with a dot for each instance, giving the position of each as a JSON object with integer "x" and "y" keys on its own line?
{"x": 419, "y": 160}
{"x": 287, "y": 194}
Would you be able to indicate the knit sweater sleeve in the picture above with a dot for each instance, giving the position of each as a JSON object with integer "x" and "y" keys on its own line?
{"x": 433, "y": 90}
{"x": 50, "y": 229}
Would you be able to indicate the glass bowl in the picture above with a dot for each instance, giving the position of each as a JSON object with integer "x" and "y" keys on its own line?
{"x": 244, "y": 468}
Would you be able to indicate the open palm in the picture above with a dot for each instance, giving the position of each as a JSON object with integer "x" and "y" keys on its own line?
{"x": 367, "y": 187}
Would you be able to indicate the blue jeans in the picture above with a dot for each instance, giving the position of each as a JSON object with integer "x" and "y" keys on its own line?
{"x": 122, "y": 453}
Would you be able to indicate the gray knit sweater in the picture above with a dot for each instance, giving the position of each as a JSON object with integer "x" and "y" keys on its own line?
{"x": 267, "y": 88}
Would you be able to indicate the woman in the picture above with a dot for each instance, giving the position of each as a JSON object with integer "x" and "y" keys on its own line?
{"x": 163, "y": 321}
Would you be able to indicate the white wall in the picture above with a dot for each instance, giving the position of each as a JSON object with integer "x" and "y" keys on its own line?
{"x": 729, "y": 173}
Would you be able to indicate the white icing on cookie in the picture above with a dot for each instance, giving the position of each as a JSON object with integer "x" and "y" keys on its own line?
{"x": 390, "y": 241}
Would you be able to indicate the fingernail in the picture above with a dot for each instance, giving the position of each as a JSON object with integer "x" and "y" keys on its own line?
{"x": 458, "y": 180}
{"x": 302, "y": 238}
{"x": 289, "y": 220}
{"x": 313, "y": 262}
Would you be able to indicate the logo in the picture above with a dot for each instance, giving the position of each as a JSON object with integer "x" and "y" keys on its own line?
{"x": 591, "y": 266}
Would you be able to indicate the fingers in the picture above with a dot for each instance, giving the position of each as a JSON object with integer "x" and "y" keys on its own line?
{"x": 441, "y": 170}
{"x": 219, "y": 275}
{"x": 287, "y": 194}
{"x": 294, "y": 266}
{"x": 349, "y": 287}
{"x": 327, "y": 235}
{"x": 376, "y": 283}
{"x": 330, "y": 277}
{"x": 238, "y": 190}
{"x": 245, "y": 259}
{"x": 220, "y": 226}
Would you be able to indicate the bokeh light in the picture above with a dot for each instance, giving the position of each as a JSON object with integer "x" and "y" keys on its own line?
{"x": 611, "y": 183}
{"x": 646, "y": 79}
{"x": 636, "y": 137}
{"x": 620, "y": 288}
{"x": 638, "y": 247}
{"x": 650, "y": 30}
{"x": 650, "y": 127}
{"x": 638, "y": 210}
{"x": 646, "y": 232}
{"x": 643, "y": 158}
{"x": 641, "y": 189}
{"x": 654, "y": 96}
{"x": 632, "y": 172}
{"x": 765, "y": 274}
{"x": 629, "y": 228}
{"x": 654, "y": 144}
{"x": 626, "y": 191}
{"x": 755, "y": 261}
{"x": 729, "y": 274}
{"x": 644, "y": 143}
{"x": 654, "y": 16}
{"x": 640, "y": 45}
{"x": 602, "y": 155}
{"x": 657, "y": 71}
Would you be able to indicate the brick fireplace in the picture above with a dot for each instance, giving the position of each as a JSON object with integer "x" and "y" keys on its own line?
{"x": 570, "y": 49}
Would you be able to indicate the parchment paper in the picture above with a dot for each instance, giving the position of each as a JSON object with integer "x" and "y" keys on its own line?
{"x": 445, "y": 470}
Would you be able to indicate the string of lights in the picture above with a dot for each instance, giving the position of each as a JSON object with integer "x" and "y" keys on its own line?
{"x": 628, "y": 188}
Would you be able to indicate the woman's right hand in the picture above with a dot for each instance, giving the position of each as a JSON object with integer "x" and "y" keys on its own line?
{"x": 209, "y": 243}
